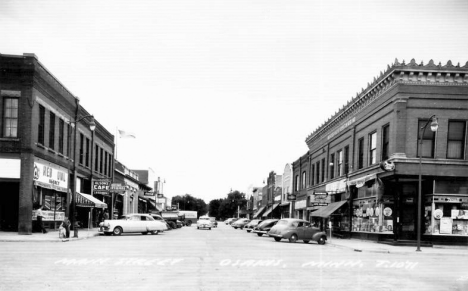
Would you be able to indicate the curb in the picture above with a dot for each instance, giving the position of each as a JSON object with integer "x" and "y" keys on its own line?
{"x": 396, "y": 252}
{"x": 58, "y": 240}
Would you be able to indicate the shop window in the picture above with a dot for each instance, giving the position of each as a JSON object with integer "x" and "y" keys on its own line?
{"x": 456, "y": 139}
{"x": 360, "y": 153}
{"x": 332, "y": 166}
{"x": 428, "y": 141}
{"x": 339, "y": 162}
{"x": 372, "y": 148}
{"x": 61, "y": 135}
{"x": 346, "y": 160}
{"x": 10, "y": 117}
{"x": 52, "y": 130}
{"x": 40, "y": 125}
{"x": 385, "y": 141}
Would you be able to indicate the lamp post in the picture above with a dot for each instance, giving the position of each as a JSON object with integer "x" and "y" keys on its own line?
{"x": 92, "y": 127}
{"x": 434, "y": 127}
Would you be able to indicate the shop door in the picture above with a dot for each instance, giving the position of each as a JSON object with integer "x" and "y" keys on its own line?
{"x": 9, "y": 205}
{"x": 408, "y": 221}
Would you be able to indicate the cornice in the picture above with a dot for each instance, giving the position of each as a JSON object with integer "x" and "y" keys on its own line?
{"x": 398, "y": 73}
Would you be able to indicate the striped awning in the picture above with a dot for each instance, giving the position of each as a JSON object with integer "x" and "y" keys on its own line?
{"x": 270, "y": 209}
{"x": 86, "y": 200}
{"x": 259, "y": 211}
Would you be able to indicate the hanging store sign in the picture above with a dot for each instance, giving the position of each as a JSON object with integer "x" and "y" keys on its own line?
{"x": 50, "y": 176}
{"x": 387, "y": 166}
{"x": 117, "y": 188}
{"x": 101, "y": 187}
{"x": 291, "y": 197}
{"x": 301, "y": 204}
{"x": 336, "y": 187}
{"x": 149, "y": 193}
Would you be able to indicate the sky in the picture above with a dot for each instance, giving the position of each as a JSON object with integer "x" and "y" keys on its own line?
{"x": 219, "y": 93}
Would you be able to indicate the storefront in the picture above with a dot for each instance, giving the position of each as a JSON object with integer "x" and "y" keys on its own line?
{"x": 300, "y": 209}
{"x": 50, "y": 191}
{"x": 272, "y": 212}
{"x": 257, "y": 214}
{"x": 9, "y": 185}
{"x": 85, "y": 204}
{"x": 446, "y": 211}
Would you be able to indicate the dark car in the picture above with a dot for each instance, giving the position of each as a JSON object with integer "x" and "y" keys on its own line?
{"x": 240, "y": 223}
{"x": 253, "y": 223}
{"x": 294, "y": 229}
{"x": 264, "y": 227}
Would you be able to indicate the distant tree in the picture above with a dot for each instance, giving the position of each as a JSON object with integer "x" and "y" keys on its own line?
{"x": 213, "y": 208}
{"x": 229, "y": 206}
{"x": 188, "y": 202}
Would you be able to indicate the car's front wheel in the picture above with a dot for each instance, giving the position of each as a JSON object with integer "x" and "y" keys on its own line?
{"x": 293, "y": 238}
{"x": 277, "y": 239}
{"x": 321, "y": 240}
{"x": 117, "y": 231}
{"x": 259, "y": 234}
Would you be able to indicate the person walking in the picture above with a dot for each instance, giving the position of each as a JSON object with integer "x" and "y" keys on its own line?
{"x": 39, "y": 216}
{"x": 66, "y": 225}
{"x": 105, "y": 216}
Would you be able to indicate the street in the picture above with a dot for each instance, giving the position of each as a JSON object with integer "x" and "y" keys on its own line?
{"x": 219, "y": 259}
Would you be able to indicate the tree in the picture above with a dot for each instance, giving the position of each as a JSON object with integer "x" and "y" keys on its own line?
{"x": 188, "y": 202}
{"x": 213, "y": 208}
{"x": 229, "y": 206}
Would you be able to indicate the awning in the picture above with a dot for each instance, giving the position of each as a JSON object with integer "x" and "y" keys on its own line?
{"x": 284, "y": 204}
{"x": 259, "y": 211}
{"x": 86, "y": 200}
{"x": 361, "y": 181}
{"x": 270, "y": 209}
{"x": 153, "y": 204}
{"x": 327, "y": 210}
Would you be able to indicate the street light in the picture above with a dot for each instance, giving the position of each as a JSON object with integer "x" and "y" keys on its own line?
{"x": 92, "y": 127}
{"x": 434, "y": 127}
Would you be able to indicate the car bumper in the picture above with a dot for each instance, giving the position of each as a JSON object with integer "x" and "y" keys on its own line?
{"x": 275, "y": 235}
{"x": 260, "y": 231}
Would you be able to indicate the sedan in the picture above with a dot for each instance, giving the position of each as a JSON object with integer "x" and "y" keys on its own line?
{"x": 240, "y": 223}
{"x": 264, "y": 227}
{"x": 253, "y": 223}
{"x": 204, "y": 222}
{"x": 297, "y": 229}
{"x": 131, "y": 223}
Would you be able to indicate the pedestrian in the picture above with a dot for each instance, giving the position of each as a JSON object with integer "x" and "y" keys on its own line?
{"x": 39, "y": 216}
{"x": 105, "y": 216}
{"x": 66, "y": 226}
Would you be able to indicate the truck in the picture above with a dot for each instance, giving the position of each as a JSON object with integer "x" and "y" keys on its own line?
{"x": 189, "y": 217}
{"x": 171, "y": 217}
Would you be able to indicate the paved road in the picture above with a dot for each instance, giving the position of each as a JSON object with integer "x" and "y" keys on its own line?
{"x": 220, "y": 259}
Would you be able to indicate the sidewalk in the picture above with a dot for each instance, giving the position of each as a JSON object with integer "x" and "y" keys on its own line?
{"x": 374, "y": 247}
{"x": 51, "y": 236}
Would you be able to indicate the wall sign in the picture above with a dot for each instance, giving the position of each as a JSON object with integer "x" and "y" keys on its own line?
{"x": 101, "y": 187}
{"x": 49, "y": 175}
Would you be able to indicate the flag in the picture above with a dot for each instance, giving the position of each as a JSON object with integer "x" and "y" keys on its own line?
{"x": 125, "y": 134}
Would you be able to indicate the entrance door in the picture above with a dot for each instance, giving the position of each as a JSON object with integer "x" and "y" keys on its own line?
{"x": 9, "y": 205}
{"x": 408, "y": 221}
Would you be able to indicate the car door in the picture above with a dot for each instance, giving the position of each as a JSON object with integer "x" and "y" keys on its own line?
{"x": 135, "y": 224}
{"x": 308, "y": 231}
{"x": 300, "y": 230}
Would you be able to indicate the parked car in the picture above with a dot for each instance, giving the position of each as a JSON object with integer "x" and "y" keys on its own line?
{"x": 214, "y": 222}
{"x": 253, "y": 223}
{"x": 294, "y": 229}
{"x": 179, "y": 224}
{"x": 227, "y": 221}
{"x": 134, "y": 222}
{"x": 233, "y": 220}
{"x": 264, "y": 227}
{"x": 160, "y": 218}
{"x": 204, "y": 222}
{"x": 240, "y": 223}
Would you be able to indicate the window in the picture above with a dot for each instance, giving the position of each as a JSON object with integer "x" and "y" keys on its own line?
{"x": 339, "y": 162}
{"x": 385, "y": 141}
{"x": 332, "y": 166}
{"x": 87, "y": 153}
{"x": 317, "y": 171}
{"x": 52, "y": 131}
{"x": 303, "y": 182}
{"x": 101, "y": 160}
{"x": 110, "y": 166}
{"x": 81, "y": 148}
{"x": 68, "y": 139}
{"x": 96, "y": 158}
{"x": 372, "y": 148}
{"x": 428, "y": 141}
{"x": 61, "y": 135}
{"x": 10, "y": 117}
{"x": 361, "y": 153}
{"x": 40, "y": 126}
{"x": 346, "y": 160}
{"x": 312, "y": 174}
{"x": 456, "y": 140}
{"x": 296, "y": 183}
{"x": 323, "y": 170}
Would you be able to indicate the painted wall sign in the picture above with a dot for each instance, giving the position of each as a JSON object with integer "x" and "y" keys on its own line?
{"x": 341, "y": 128}
{"x": 50, "y": 176}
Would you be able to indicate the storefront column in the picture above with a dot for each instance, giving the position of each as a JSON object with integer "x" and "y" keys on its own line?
{"x": 396, "y": 218}
{"x": 25, "y": 194}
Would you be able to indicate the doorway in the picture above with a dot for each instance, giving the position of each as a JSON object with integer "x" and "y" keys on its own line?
{"x": 9, "y": 205}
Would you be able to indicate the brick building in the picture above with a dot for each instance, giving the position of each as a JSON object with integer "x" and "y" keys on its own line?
{"x": 363, "y": 162}
{"x": 39, "y": 140}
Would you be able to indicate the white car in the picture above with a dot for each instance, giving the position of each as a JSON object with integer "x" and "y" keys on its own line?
{"x": 204, "y": 222}
{"x": 135, "y": 222}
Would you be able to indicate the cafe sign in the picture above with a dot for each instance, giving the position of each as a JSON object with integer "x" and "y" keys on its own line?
{"x": 50, "y": 176}
{"x": 101, "y": 187}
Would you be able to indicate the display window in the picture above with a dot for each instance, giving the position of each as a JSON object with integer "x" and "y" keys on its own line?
{"x": 446, "y": 215}
{"x": 371, "y": 215}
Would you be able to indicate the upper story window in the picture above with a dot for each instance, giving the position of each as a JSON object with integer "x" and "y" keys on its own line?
{"x": 332, "y": 166}
{"x": 87, "y": 153}
{"x": 101, "y": 160}
{"x": 296, "y": 183}
{"x": 428, "y": 141}
{"x": 372, "y": 148}
{"x": 312, "y": 172}
{"x": 323, "y": 170}
{"x": 61, "y": 135}
{"x": 303, "y": 182}
{"x": 52, "y": 130}
{"x": 346, "y": 160}
{"x": 339, "y": 162}
{"x": 10, "y": 117}
{"x": 317, "y": 171}
{"x": 96, "y": 158}
{"x": 456, "y": 139}
{"x": 40, "y": 125}
{"x": 81, "y": 148}
{"x": 385, "y": 141}
{"x": 361, "y": 153}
